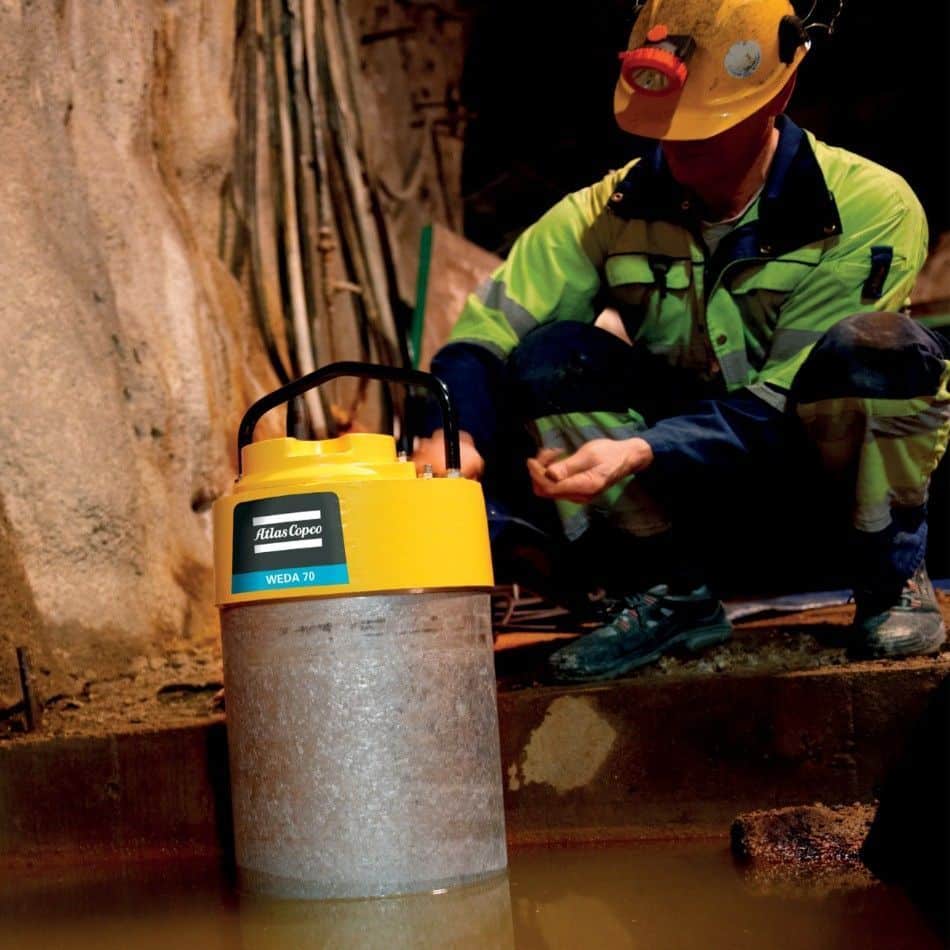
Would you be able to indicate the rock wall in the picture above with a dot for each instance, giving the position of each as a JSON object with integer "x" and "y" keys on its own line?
{"x": 128, "y": 348}
{"x": 126, "y": 351}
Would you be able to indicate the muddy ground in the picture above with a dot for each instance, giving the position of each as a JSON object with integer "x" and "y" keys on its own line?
{"x": 163, "y": 691}
{"x": 808, "y": 640}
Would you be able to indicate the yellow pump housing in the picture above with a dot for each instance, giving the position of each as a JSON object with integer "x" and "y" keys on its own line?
{"x": 344, "y": 516}
{"x": 358, "y": 663}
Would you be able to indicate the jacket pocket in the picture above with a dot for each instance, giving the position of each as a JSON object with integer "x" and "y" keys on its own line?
{"x": 778, "y": 277}
{"x": 651, "y": 293}
{"x": 652, "y": 271}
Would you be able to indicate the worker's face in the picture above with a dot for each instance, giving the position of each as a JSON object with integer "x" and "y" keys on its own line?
{"x": 706, "y": 165}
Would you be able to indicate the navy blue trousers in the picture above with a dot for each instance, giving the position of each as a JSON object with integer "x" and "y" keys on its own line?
{"x": 755, "y": 497}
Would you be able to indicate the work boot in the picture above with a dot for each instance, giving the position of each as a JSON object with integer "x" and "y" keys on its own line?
{"x": 907, "y": 624}
{"x": 639, "y": 633}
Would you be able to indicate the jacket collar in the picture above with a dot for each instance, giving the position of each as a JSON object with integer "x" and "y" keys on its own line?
{"x": 795, "y": 207}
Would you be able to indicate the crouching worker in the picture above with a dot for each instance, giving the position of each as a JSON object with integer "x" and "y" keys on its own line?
{"x": 755, "y": 275}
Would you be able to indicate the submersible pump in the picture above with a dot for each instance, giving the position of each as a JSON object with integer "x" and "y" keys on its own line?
{"x": 358, "y": 664}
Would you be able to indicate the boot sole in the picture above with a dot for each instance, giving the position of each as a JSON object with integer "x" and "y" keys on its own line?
{"x": 693, "y": 640}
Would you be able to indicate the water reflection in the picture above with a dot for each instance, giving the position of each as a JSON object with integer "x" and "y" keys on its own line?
{"x": 683, "y": 896}
{"x": 475, "y": 917}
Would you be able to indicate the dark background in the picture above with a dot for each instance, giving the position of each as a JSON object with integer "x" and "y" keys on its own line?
{"x": 539, "y": 79}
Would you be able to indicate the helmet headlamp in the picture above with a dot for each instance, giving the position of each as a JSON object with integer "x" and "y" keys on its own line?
{"x": 658, "y": 68}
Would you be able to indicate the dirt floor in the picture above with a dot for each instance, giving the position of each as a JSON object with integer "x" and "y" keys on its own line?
{"x": 783, "y": 643}
{"x": 156, "y": 692}
{"x": 164, "y": 691}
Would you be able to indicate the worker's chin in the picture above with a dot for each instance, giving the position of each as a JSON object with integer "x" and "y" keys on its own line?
{"x": 694, "y": 164}
{"x": 703, "y": 164}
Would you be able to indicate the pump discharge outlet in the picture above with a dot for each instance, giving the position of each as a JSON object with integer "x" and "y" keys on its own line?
{"x": 358, "y": 665}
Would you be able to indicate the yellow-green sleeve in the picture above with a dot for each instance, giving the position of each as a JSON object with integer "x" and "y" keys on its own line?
{"x": 551, "y": 273}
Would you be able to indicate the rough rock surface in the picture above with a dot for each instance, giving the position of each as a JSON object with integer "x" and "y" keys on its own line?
{"x": 128, "y": 351}
{"x": 125, "y": 348}
{"x": 803, "y": 834}
{"x": 804, "y": 848}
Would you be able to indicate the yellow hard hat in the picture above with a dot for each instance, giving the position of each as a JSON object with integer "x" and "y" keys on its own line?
{"x": 695, "y": 68}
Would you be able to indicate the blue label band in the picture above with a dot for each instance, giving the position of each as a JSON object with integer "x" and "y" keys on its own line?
{"x": 321, "y": 575}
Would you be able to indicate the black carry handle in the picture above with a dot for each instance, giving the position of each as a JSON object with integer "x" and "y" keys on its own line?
{"x": 386, "y": 374}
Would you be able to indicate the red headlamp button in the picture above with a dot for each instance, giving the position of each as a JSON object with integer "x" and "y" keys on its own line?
{"x": 658, "y": 33}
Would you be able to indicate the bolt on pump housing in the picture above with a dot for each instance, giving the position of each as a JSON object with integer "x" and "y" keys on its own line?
{"x": 358, "y": 663}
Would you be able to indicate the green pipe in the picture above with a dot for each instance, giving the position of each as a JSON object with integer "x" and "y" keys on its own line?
{"x": 422, "y": 289}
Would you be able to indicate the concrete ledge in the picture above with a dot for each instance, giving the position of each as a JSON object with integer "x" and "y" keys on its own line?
{"x": 639, "y": 758}
{"x": 685, "y": 757}
{"x": 141, "y": 791}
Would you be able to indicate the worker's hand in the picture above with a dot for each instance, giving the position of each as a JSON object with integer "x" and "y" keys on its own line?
{"x": 431, "y": 451}
{"x": 592, "y": 469}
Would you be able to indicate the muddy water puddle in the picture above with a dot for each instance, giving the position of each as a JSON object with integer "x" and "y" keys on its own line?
{"x": 678, "y": 896}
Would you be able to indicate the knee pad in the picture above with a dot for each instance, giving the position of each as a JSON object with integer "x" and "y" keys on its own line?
{"x": 874, "y": 356}
{"x": 567, "y": 367}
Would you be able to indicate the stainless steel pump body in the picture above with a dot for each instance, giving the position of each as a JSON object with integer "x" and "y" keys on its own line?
{"x": 363, "y": 744}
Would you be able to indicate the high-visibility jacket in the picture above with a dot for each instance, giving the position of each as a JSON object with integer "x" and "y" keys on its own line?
{"x": 831, "y": 234}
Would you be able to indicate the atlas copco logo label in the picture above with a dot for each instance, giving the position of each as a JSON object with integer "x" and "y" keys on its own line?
{"x": 290, "y": 541}
{"x": 287, "y": 532}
